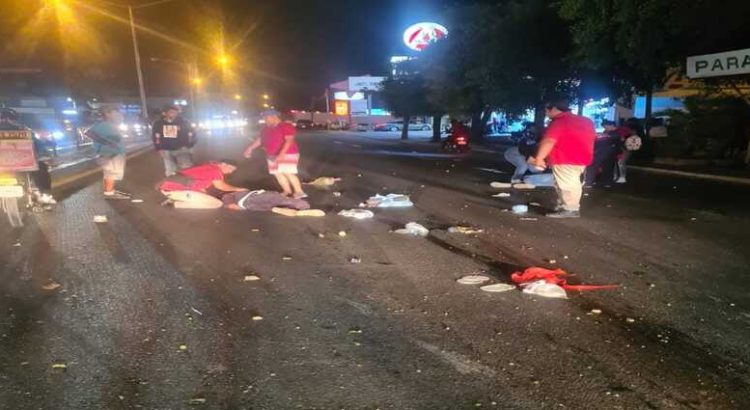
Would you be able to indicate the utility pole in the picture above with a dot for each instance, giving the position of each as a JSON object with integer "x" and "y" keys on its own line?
{"x": 141, "y": 87}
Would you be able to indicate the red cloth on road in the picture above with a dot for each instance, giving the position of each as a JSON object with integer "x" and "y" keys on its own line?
{"x": 574, "y": 137}
{"x": 534, "y": 274}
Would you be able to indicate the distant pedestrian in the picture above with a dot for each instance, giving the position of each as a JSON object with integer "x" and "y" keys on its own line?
{"x": 568, "y": 147}
{"x": 282, "y": 153}
{"x": 109, "y": 146}
{"x": 606, "y": 149}
{"x": 174, "y": 139}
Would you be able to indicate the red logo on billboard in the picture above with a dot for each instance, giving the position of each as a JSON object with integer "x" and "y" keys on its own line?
{"x": 421, "y": 35}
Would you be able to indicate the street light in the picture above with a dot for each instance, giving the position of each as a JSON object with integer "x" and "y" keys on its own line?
{"x": 237, "y": 97}
{"x": 192, "y": 75}
{"x": 223, "y": 60}
{"x": 265, "y": 96}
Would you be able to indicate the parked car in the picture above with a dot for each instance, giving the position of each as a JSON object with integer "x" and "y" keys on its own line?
{"x": 304, "y": 124}
{"x": 388, "y": 126}
{"x": 363, "y": 126}
{"x": 414, "y": 126}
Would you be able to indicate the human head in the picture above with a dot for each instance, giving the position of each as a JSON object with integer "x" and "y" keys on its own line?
{"x": 171, "y": 112}
{"x": 111, "y": 113}
{"x": 556, "y": 106}
{"x": 227, "y": 166}
{"x": 608, "y": 125}
{"x": 272, "y": 117}
{"x": 8, "y": 115}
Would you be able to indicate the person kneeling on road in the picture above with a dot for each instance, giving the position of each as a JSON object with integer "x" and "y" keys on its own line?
{"x": 200, "y": 187}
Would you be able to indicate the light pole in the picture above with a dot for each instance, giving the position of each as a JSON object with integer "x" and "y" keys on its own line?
{"x": 136, "y": 51}
{"x": 194, "y": 80}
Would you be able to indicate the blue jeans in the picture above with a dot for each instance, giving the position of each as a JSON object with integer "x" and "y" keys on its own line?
{"x": 176, "y": 160}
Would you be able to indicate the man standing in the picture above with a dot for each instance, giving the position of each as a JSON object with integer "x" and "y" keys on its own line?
{"x": 108, "y": 144}
{"x": 282, "y": 153}
{"x": 606, "y": 148}
{"x": 568, "y": 147}
{"x": 173, "y": 138}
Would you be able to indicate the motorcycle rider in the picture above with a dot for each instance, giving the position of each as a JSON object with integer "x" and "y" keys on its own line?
{"x": 41, "y": 177}
{"x": 458, "y": 130}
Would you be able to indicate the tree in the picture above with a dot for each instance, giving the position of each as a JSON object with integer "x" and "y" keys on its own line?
{"x": 406, "y": 97}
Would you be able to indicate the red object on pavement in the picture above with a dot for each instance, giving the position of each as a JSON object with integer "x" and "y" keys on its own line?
{"x": 556, "y": 277}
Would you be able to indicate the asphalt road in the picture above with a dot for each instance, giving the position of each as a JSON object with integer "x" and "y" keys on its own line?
{"x": 154, "y": 311}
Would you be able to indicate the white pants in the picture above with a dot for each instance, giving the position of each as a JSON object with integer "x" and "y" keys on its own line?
{"x": 569, "y": 185}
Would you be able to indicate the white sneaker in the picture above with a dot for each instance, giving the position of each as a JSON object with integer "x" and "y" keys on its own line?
{"x": 46, "y": 199}
{"x": 621, "y": 180}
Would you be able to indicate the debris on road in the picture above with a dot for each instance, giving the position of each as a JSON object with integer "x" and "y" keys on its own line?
{"x": 136, "y": 201}
{"x": 337, "y": 194}
{"x": 501, "y": 185}
{"x": 466, "y": 230}
{"x": 255, "y": 230}
{"x": 197, "y": 401}
{"x": 555, "y": 277}
{"x": 596, "y": 311}
{"x": 286, "y": 258}
{"x": 524, "y": 186}
{"x": 498, "y": 287}
{"x": 520, "y": 209}
{"x": 544, "y": 289}
{"x": 100, "y": 219}
{"x": 492, "y": 170}
{"x": 251, "y": 278}
{"x": 59, "y": 366}
{"x": 389, "y": 201}
{"x": 257, "y": 318}
{"x": 630, "y": 320}
{"x": 535, "y": 204}
{"x": 299, "y": 213}
{"x": 355, "y": 260}
{"x": 183, "y": 348}
{"x": 51, "y": 285}
{"x": 473, "y": 279}
{"x": 528, "y": 219}
{"x": 17, "y": 244}
{"x": 342, "y": 233}
{"x": 357, "y": 213}
{"x": 321, "y": 235}
{"x": 413, "y": 228}
{"x": 196, "y": 310}
{"x": 323, "y": 182}
{"x": 502, "y": 195}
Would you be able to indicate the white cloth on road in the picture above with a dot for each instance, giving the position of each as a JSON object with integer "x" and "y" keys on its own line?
{"x": 357, "y": 213}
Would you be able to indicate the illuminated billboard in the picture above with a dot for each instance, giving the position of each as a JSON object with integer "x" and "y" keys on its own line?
{"x": 418, "y": 36}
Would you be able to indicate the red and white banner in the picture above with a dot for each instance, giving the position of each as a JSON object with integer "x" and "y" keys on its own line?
{"x": 17, "y": 151}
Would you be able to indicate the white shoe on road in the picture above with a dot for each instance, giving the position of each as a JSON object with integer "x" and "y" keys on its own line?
{"x": 46, "y": 199}
{"x": 621, "y": 180}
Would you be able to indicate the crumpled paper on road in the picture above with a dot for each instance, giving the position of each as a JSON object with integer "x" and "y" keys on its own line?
{"x": 413, "y": 228}
{"x": 389, "y": 201}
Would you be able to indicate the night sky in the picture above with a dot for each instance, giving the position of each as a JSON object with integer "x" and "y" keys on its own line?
{"x": 289, "y": 48}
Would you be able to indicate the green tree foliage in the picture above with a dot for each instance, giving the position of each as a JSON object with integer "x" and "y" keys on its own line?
{"x": 406, "y": 97}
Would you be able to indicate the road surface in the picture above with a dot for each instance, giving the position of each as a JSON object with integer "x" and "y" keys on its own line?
{"x": 154, "y": 311}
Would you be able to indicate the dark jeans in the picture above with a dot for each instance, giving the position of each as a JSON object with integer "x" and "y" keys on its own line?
{"x": 42, "y": 178}
{"x": 605, "y": 157}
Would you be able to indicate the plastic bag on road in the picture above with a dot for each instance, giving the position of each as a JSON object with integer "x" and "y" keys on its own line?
{"x": 389, "y": 201}
{"x": 413, "y": 228}
{"x": 544, "y": 289}
{"x": 357, "y": 213}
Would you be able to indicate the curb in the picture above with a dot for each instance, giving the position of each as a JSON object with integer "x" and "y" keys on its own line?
{"x": 88, "y": 162}
{"x": 694, "y": 175}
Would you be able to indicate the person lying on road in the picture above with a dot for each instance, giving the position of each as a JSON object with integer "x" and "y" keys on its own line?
{"x": 201, "y": 186}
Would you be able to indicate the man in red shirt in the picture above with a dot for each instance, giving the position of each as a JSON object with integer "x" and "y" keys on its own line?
{"x": 568, "y": 147}
{"x": 277, "y": 138}
{"x": 200, "y": 187}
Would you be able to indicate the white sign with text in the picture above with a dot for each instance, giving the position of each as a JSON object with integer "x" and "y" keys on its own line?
{"x": 720, "y": 64}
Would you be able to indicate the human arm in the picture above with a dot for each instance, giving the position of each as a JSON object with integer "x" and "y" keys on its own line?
{"x": 249, "y": 150}
{"x": 222, "y": 185}
{"x": 94, "y": 136}
{"x": 156, "y": 130}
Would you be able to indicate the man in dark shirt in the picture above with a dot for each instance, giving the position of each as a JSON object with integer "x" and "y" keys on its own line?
{"x": 174, "y": 138}
{"x": 606, "y": 148}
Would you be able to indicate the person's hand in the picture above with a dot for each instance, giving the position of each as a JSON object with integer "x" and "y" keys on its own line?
{"x": 248, "y": 153}
{"x": 537, "y": 163}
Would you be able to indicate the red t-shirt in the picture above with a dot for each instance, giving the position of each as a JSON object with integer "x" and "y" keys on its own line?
{"x": 273, "y": 138}
{"x": 201, "y": 178}
{"x": 574, "y": 137}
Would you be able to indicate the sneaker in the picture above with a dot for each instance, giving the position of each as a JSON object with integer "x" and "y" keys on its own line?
{"x": 123, "y": 193}
{"x": 564, "y": 214}
{"x": 116, "y": 195}
{"x": 621, "y": 180}
{"x": 516, "y": 181}
{"x": 46, "y": 199}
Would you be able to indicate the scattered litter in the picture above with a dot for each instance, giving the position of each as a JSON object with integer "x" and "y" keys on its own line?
{"x": 542, "y": 288}
{"x": 355, "y": 331}
{"x": 524, "y": 186}
{"x": 498, "y": 287}
{"x": 473, "y": 280}
{"x": 256, "y": 230}
{"x": 324, "y": 181}
{"x": 183, "y": 347}
{"x": 299, "y": 213}
{"x": 520, "y": 209}
{"x": 196, "y": 310}
{"x": 502, "y": 195}
{"x": 17, "y": 244}
{"x": 355, "y": 260}
{"x": 357, "y": 213}
{"x": 342, "y": 233}
{"x": 136, "y": 201}
{"x": 413, "y": 228}
{"x": 59, "y": 366}
{"x": 493, "y": 170}
{"x": 466, "y": 230}
{"x": 197, "y": 401}
{"x": 535, "y": 204}
{"x": 630, "y": 320}
{"x": 100, "y": 219}
{"x": 286, "y": 258}
{"x": 500, "y": 185}
{"x": 551, "y": 261}
{"x": 555, "y": 277}
{"x": 528, "y": 219}
{"x": 337, "y": 194}
{"x": 51, "y": 285}
{"x": 321, "y": 235}
{"x": 251, "y": 278}
{"x": 389, "y": 201}
{"x": 257, "y": 318}
{"x": 596, "y": 311}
